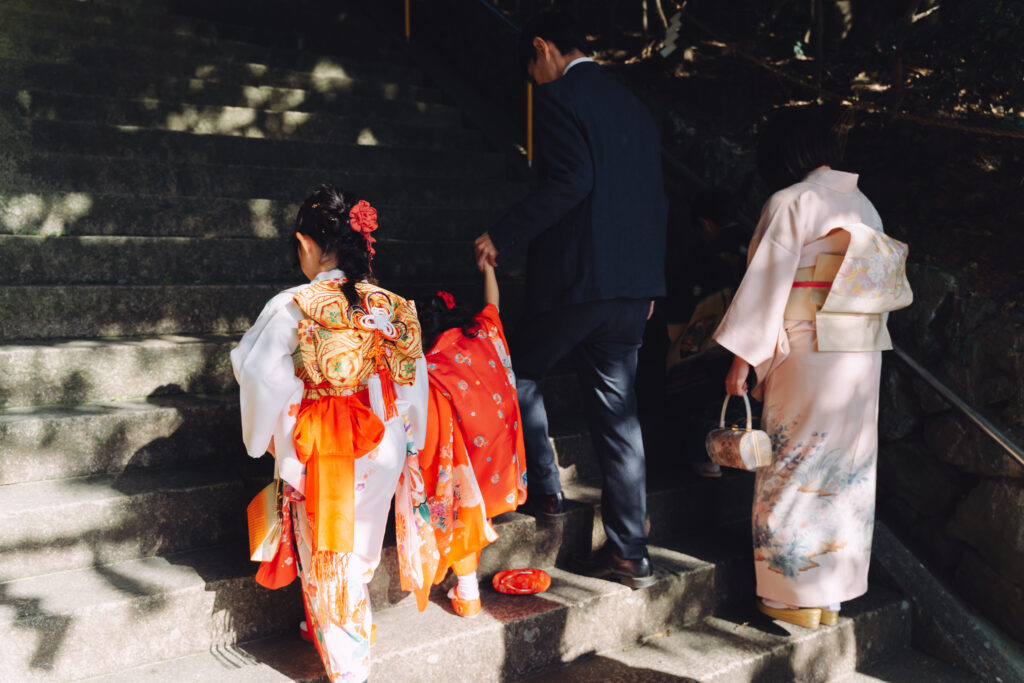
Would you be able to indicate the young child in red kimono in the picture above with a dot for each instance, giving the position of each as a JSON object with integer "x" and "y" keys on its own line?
{"x": 471, "y": 376}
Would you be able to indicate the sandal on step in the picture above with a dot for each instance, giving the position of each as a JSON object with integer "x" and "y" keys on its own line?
{"x": 808, "y": 617}
{"x": 464, "y": 608}
{"x": 829, "y": 617}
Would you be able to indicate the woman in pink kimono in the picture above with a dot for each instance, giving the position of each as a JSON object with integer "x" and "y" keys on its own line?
{"x": 809, "y": 316}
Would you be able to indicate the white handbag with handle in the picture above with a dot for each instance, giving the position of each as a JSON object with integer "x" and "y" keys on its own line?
{"x": 744, "y": 449}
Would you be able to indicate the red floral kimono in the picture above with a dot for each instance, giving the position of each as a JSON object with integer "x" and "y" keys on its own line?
{"x": 475, "y": 375}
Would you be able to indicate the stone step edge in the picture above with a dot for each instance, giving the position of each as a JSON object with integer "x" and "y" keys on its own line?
{"x": 182, "y": 34}
{"x": 171, "y": 135}
{"x": 451, "y": 119}
{"x": 185, "y": 166}
{"x": 148, "y": 9}
{"x": 271, "y": 77}
{"x": 435, "y": 639}
{"x": 767, "y": 649}
{"x": 394, "y": 60}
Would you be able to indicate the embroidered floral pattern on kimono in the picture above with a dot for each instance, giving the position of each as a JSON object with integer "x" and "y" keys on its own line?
{"x": 881, "y": 273}
{"x": 823, "y": 481}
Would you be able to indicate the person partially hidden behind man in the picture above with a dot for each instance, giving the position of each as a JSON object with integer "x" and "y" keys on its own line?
{"x": 595, "y": 236}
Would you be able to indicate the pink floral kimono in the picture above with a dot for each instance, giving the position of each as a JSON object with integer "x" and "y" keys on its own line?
{"x": 810, "y": 317}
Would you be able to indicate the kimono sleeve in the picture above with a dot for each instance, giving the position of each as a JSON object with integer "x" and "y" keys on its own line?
{"x": 417, "y": 394}
{"x": 754, "y": 320}
{"x": 489, "y": 318}
{"x": 263, "y": 366}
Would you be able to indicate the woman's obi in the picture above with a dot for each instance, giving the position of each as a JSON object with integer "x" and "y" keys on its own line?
{"x": 848, "y": 295}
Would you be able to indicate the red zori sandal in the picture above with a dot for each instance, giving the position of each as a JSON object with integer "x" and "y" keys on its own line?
{"x": 521, "y": 581}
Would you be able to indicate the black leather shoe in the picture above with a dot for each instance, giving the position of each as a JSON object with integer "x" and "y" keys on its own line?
{"x": 607, "y": 564}
{"x": 550, "y": 505}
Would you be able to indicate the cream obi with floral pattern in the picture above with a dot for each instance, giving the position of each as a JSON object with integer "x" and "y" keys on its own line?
{"x": 847, "y": 295}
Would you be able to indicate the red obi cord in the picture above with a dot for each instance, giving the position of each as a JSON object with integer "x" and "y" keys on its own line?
{"x": 822, "y": 285}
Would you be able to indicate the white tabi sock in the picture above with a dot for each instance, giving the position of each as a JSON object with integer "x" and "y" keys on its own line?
{"x": 468, "y": 588}
{"x": 776, "y": 604}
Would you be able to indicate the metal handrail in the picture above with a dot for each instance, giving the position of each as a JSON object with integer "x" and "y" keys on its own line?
{"x": 1011, "y": 448}
{"x": 994, "y": 432}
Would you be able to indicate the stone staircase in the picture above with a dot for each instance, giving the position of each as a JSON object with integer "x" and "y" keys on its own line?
{"x": 153, "y": 157}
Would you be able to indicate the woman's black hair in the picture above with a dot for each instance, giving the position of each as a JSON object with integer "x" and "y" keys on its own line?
{"x": 324, "y": 217}
{"x": 795, "y": 142}
{"x": 557, "y": 28}
{"x": 436, "y": 318}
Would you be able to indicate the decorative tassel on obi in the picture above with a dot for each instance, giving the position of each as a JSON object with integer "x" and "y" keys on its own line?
{"x": 328, "y": 571}
{"x": 387, "y": 385}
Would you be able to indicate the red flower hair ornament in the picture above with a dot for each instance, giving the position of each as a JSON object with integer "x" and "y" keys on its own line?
{"x": 363, "y": 219}
{"x": 449, "y": 300}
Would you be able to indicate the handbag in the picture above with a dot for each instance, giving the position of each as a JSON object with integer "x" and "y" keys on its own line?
{"x": 264, "y": 517}
{"x": 745, "y": 449}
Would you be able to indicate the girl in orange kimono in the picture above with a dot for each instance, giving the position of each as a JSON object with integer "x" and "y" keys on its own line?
{"x": 474, "y": 408}
{"x": 333, "y": 382}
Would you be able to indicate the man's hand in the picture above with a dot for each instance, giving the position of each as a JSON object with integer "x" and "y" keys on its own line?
{"x": 486, "y": 252}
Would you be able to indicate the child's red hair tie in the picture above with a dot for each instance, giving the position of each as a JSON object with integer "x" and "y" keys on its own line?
{"x": 363, "y": 219}
{"x": 449, "y": 300}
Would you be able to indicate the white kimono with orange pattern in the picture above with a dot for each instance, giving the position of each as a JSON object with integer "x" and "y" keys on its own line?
{"x": 813, "y": 511}
{"x": 270, "y": 395}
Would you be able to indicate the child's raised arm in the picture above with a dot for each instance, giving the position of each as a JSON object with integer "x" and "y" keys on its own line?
{"x": 490, "y": 285}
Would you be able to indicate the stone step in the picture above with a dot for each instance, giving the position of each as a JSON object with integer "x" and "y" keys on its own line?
{"x": 910, "y": 665}
{"x": 56, "y": 214}
{"x": 110, "y": 617}
{"x": 68, "y": 524}
{"x": 34, "y": 260}
{"x": 128, "y": 310}
{"x": 84, "y": 437}
{"x": 91, "y": 174}
{"x": 352, "y": 36}
{"x": 251, "y": 111}
{"x": 185, "y": 60}
{"x": 114, "y": 437}
{"x": 287, "y": 658}
{"x": 88, "y": 311}
{"x": 179, "y": 16}
{"x": 738, "y": 644}
{"x": 183, "y": 147}
{"x": 276, "y": 23}
{"x": 97, "y": 370}
{"x": 511, "y": 637}
{"x": 238, "y": 86}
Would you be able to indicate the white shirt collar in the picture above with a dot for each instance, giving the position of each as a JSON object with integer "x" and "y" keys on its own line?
{"x": 574, "y": 62}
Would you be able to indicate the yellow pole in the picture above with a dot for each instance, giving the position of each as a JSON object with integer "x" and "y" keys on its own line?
{"x": 408, "y": 25}
{"x": 529, "y": 123}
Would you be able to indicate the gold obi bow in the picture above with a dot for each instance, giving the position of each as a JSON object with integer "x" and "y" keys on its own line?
{"x": 343, "y": 345}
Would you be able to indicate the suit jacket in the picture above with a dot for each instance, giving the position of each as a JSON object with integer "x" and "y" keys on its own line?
{"x": 595, "y": 226}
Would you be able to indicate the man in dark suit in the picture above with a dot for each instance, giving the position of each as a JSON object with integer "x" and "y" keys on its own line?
{"x": 595, "y": 230}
